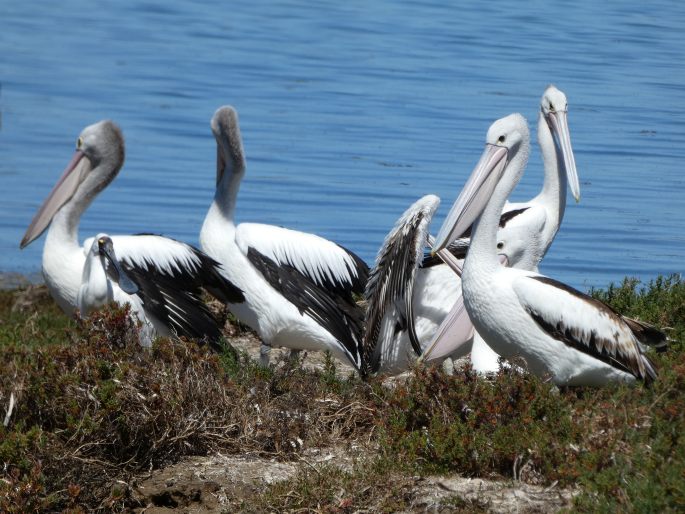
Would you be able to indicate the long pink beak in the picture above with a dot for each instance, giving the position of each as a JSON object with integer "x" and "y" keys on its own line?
{"x": 62, "y": 192}
{"x": 474, "y": 197}
{"x": 558, "y": 122}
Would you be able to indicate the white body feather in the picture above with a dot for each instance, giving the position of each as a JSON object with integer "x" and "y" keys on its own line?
{"x": 277, "y": 321}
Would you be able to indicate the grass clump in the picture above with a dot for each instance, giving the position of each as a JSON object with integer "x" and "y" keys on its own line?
{"x": 366, "y": 487}
{"x": 511, "y": 425}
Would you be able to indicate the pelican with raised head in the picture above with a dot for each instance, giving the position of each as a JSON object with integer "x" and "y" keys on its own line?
{"x": 166, "y": 274}
{"x": 557, "y": 330}
{"x": 441, "y": 326}
{"x": 541, "y": 217}
{"x": 298, "y": 287}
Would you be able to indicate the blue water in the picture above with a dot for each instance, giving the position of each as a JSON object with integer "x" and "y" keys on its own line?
{"x": 350, "y": 111}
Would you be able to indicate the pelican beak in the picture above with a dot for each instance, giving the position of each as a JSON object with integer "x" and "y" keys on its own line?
{"x": 106, "y": 249}
{"x": 65, "y": 188}
{"x": 455, "y": 331}
{"x": 474, "y": 196}
{"x": 558, "y": 122}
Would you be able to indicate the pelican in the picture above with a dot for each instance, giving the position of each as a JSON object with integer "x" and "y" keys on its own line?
{"x": 297, "y": 286}
{"x": 542, "y": 215}
{"x": 441, "y": 326}
{"x": 558, "y": 331}
{"x": 158, "y": 276}
{"x": 104, "y": 281}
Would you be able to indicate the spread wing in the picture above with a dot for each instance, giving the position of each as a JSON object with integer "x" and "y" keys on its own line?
{"x": 391, "y": 282}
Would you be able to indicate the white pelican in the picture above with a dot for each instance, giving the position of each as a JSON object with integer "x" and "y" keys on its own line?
{"x": 557, "y": 330}
{"x": 441, "y": 325}
{"x": 104, "y": 281}
{"x": 541, "y": 217}
{"x": 168, "y": 274}
{"x": 298, "y": 287}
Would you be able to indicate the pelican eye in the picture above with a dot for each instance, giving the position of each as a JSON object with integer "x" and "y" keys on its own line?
{"x": 79, "y": 143}
{"x": 101, "y": 241}
{"x": 500, "y": 245}
{"x": 551, "y": 108}
{"x": 501, "y": 139}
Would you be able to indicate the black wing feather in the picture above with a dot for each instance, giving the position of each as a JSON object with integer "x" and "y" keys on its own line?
{"x": 208, "y": 275}
{"x": 337, "y": 313}
{"x": 182, "y": 310}
{"x": 391, "y": 282}
{"x": 175, "y": 298}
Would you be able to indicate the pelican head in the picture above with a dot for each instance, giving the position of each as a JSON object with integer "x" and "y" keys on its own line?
{"x": 507, "y": 138}
{"x": 98, "y": 158}
{"x": 230, "y": 156}
{"x": 103, "y": 248}
{"x": 554, "y": 108}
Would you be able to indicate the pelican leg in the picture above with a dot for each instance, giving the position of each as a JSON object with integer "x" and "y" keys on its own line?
{"x": 264, "y": 353}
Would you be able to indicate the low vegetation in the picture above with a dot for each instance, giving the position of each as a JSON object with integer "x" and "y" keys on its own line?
{"x": 85, "y": 410}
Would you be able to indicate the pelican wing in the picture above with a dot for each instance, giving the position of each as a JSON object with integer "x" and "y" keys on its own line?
{"x": 325, "y": 263}
{"x": 583, "y": 323}
{"x": 169, "y": 275}
{"x": 182, "y": 310}
{"x": 338, "y": 314}
{"x": 647, "y": 335}
{"x": 189, "y": 267}
{"x": 391, "y": 282}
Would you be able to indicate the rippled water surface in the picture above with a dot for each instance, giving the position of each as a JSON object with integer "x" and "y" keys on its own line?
{"x": 349, "y": 112}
